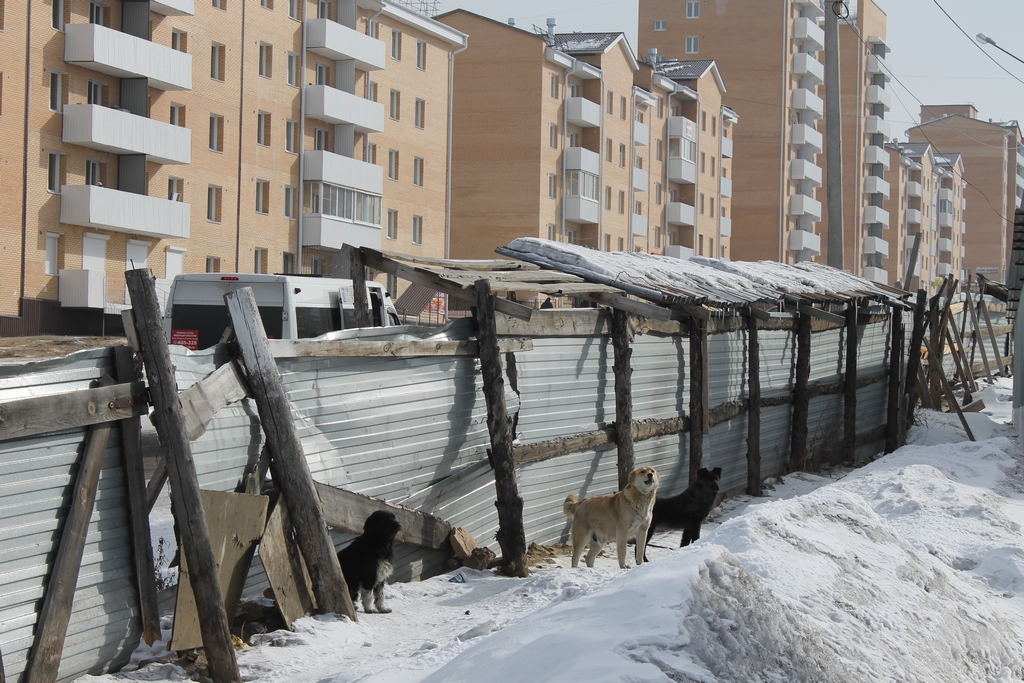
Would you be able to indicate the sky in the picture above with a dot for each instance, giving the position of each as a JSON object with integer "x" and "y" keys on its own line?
{"x": 910, "y": 568}
{"x": 931, "y": 59}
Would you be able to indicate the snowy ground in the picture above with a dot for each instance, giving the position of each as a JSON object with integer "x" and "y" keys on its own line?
{"x": 908, "y": 569}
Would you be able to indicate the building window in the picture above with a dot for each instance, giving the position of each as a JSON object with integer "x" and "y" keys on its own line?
{"x": 661, "y": 25}
{"x": 94, "y": 172}
{"x": 287, "y": 262}
{"x": 263, "y": 128}
{"x": 703, "y": 159}
{"x": 323, "y": 9}
{"x": 704, "y": 121}
{"x": 291, "y": 129}
{"x": 622, "y": 201}
{"x": 371, "y": 153}
{"x": 262, "y": 196}
{"x": 175, "y": 188}
{"x": 574, "y": 139}
{"x": 712, "y": 166}
{"x": 217, "y": 52}
{"x": 621, "y": 243}
{"x": 291, "y": 195}
{"x": 701, "y": 203}
{"x": 259, "y": 254}
{"x": 661, "y": 107}
{"x": 396, "y": 45}
{"x": 657, "y": 149}
{"x": 657, "y": 193}
{"x": 551, "y": 231}
{"x": 392, "y": 224}
{"x": 611, "y": 102}
{"x": 574, "y": 89}
{"x": 714, "y": 124}
{"x": 213, "y": 197}
{"x": 269, "y": 4}
{"x": 395, "y": 108}
{"x": 607, "y": 198}
{"x": 96, "y": 93}
{"x": 417, "y": 171}
{"x": 371, "y": 91}
{"x": 417, "y": 229}
{"x": 622, "y": 155}
{"x": 216, "y": 133}
{"x": 50, "y": 267}
{"x": 608, "y": 150}
{"x": 177, "y": 117}
{"x": 581, "y": 184}
{"x": 54, "y": 172}
{"x": 421, "y": 112}
{"x": 266, "y": 60}
{"x": 711, "y": 206}
{"x": 179, "y": 40}
{"x": 342, "y": 202}
{"x": 393, "y": 164}
{"x": 57, "y": 98}
{"x": 421, "y": 55}
{"x": 323, "y": 74}
{"x": 570, "y": 236}
{"x": 553, "y": 136}
{"x": 552, "y": 186}
{"x": 657, "y": 237}
{"x": 293, "y": 9}
{"x": 373, "y": 30}
{"x": 212, "y": 264}
{"x": 622, "y": 108}
{"x": 293, "y": 69}
{"x": 320, "y": 139}
{"x": 693, "y": 9}
{"x": 57, "y": 18}
{"x": 692, "y": 44}
{"x": 554, "y": 85}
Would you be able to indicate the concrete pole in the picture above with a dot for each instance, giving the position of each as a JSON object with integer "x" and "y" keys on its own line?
{"x": 833, "y": 141}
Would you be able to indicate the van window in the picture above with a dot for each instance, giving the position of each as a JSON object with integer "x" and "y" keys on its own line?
{"x": 203, "y": 324}
{"x": 376, "y": 307}
{"x": 312, "y": 322}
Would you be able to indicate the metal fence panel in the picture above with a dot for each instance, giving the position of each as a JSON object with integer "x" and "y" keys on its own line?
{"x": 660, "y": 383}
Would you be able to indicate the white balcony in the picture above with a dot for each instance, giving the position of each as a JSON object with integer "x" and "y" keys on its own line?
{"x": 330, "y": 232}
{"x": 946, "y": 193}
{"x": 876, "y": 125}
{"x": 122, "y": 55}
{"x": 582, "y": 159}
{"x": 808, "y": 65}
{"x": 945, "y": 219}
{"x": 876, "y": 214}
{"x": 946, "y": 245}
{"x": 876, "y": 94}
{"x": 876, "y": 65}
{"x": 809, "y": 7}
{"x": 173, "y": 8}
{"x": 119, "y": 132}
{"x": 807, "y": 31}
{"x": 876, "y": 245}
{"x": 338, "y": 42}
{"x": 876, "y": 155}
{"x": 726, "y": 147}
{"x": 943, "y": 269}
{"x": 805, "y": 100}
{"x": 334, "y": 106}
{"x": 876, "y": 275}
{"x": 641, "y": 133}
{"x": 92, "y": 206}
{"x": 641, "y": 180}
{"x": 913, "y": 216}
{"x": 876, "y": 185}
{"x": 963, "y": 203}
{"x": 682, "y": 171}
{"x": 328, "y": 167}
{"x": 581, "y": 210}
{"x": 963, "y": 228}
{"x": 804, "y": 135}
{"x": 802, "y": 169}
{"x": 914, "y": 188}
{"x": 725, "y": 186}
{"x": 678, "y": 251}
{"x": 804, "y": 240}
{"x": 802, "y": 205}
{"x": 681, "y": 127}
{"x": 579, "y": 111}
{"x": 725, "y": 227}
{"x": 82, "y": 288}
{"x": 638, "y": 225}
{"x": 678, "y": 213}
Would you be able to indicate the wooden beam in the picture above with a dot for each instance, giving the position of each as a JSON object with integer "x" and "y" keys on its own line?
{"x": 128, "y": 321}
{"x": 348, "y": 511}
{"x": 957, "y": 342}
{"x": 501, "y": 279}
{"x": 754, "y": 403}
{"x": 460, "y": 264}
{"x": 992, "y": 337}
{"x": 850, "y": 386}
{"x": 353, "y": 259}
{"x": 40, "y": 414}
{"x": 288, "y": 463}
{"x": 359, "y": 348}
{"x": 622, "y": 303}
{"x": 623, "y": 372}
{"x": 185, "y": 499}
{"x": 539, "y": 451}
{"x": 566, "y": 322}
{"x": 555, "y": 288}
{"x": 135, "y": 481}
{"x": 156, "y": 483}
{"x": 951, "y": 397}
{"x": 52, "y": 624}
{"x": 286, "y": 572}
{"x": 823, "y": 315}
{"x": 698, "y": 396}
{"x": 511, "y": 533}
{"x": 801, "y": 395}
{"x": 910, "y": 383}
{"x": 893, "y": 414}
{"x": 201, "y": 401}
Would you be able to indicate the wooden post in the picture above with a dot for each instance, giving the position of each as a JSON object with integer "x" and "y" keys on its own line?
{"x": 959, "y": 353}
{"x": 357, "y": 272}
{"x": 936, "y": 345}
{"x": 623, "y": 395}
{"x": 288, "y": 463}
{"x": 511, "y": 532}
{"x": 894, "y": 413}
{"x": 910, "y": 382}
{"x": 801, "y": 394}
{"x": 52, "y": 626}
{"x": 698, "y": 387}
{"x": 959, "y": 365}
{"x": 992, "y": 337}
{"x": 185, "y": 501}
{"x": 951, "y": 397}
{"x": 135, "y": 480}
{"x": 850, "y": 386}
{"x": 754, "y": 408}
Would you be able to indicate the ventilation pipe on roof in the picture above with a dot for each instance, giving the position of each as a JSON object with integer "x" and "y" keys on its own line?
{"x": 652, "y": 55}
{"x": 511, "y": 21}
{"x": 551, "y": 32}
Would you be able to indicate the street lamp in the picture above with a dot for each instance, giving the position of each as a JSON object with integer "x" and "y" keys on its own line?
{"x": 985, "y": 40}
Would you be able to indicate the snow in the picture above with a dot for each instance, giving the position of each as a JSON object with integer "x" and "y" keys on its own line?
{"x": 910, "y": 568}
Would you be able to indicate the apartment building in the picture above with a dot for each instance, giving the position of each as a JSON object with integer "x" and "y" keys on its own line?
{"x": 216, "y": 135}
{"x": 993, "y": 155}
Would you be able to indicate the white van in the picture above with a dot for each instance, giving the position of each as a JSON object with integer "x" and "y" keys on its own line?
{"x": 291, "y": 306}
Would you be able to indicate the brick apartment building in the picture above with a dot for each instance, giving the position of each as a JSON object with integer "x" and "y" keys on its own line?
{"x": 217, "y": 135}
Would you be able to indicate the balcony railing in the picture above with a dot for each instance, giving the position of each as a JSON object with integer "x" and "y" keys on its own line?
{"x": 945, "y": 219}
{"x": 641, "y": 179}
{"x": 173, "y": 8}
{"x": 914, "y": 216}
{"x": 802, "y": 169}
{"x": 876, "y": 124}
{"x": 120, "y": 132}
{"x": 802, "y": 205}
{"x": 807, "y": 101}
{"x": 123, "y": 55}
{"x": 682, "y": 171}
{"x": 641, "y": 133}
{"x": 334, "y": 106}
{"x": 726, "y": 147}
{"x": 946, "y": 193}
{"x": 92, "y": 206}
{"x": 678, "y": 213}
{"x": 943, "y": 269}
{"x": 338, "y": 42}
{"x": 876, "y": 185}
{"x": 946, "y": 245}
{"x": 876, "y": 155}
{"x": 725, "y": 186}
{"x": 808, "y": 33}
{"x": 876, "y": 65}
{"x": 681, "y": 127}
{"x": 581, "y": 210}
{"x": 336, "y": 169}
{"x": 804, "y": 240}
{"x": 804, "y": 135}
{"x": 876, "y": 214}
{"x": 914, "y": 188}
{"x": 579, "y": 111}
{"x": 808, "y": 65}
{"x": 876, "y": 94}
{"x": 876, "y": 275}
{"x": 582, "y": 159}
{"x": 725, "y": 227}
{"x": 82, "y": 288}
{"x": 638, "y": 225}
{"x": 876, "y": 245}
{"x": 330, "y": 232}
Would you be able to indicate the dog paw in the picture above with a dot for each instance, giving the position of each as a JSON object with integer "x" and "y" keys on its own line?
{"x": 384, "y": 610}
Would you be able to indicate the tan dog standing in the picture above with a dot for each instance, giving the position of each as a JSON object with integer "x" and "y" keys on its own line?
{"x": 621, "y": 515}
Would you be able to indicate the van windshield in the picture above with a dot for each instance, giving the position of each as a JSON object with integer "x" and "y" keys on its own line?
{"x": 312, "y": 322}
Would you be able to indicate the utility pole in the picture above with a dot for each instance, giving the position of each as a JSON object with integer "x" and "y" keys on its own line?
{"x": 833, "y": 136}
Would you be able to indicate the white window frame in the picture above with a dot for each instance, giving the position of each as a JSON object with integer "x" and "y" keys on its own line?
{"x": 57, "y": 18}
{"x": 693, "y": 9}
{"x": 320, "y": 138}
{"x": 93, "y": 172}
{"x": 57, "y": 91}
{"x": 94, "y": 94}
{"x": 396, "y": 45}
{"x": 290, "y": 128}
{"x": 293, "y": 9}
{"x": 262, "y": 198}
{"x": 393, "y": 162}
{"x": 213, "y": 199}
{"x": 262, "y": 121}
{"x": 392, "y": 224}
{"x": 54, "y": 160}
{"x": 421, "y": 55}
{"x": 179, "y": 40}
{"x": 395, "y": 105}
{"x": 553, "y": 136}
{"x": 417, "y": 229}
{"x": 293, "y": 69}
{"x": 417, "y": 171}
{"x": 692, "y": 45}
{"x": 290, "y": 196}
{"x": 660, "y": 25}
{"x": 175, "y": 188}
{"x": 177, "y": 115}
{"x": 266, "y": 60}
{"x": 216, "y": 144}
{"x": 52, "y": 252}
{"x": 421, "y": 112}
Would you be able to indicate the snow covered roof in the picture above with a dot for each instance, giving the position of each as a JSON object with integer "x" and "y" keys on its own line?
{"x": 585, "y": 43}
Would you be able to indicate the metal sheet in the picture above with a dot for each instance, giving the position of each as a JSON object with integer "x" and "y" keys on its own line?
{"x": 661, "y": 385}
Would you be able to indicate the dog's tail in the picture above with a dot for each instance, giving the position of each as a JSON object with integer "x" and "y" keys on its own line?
{"x": 569, "y": 506}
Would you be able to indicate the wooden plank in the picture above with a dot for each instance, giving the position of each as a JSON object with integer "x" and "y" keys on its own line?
{"x": 556, "y": 288}
{"x": 698, "y": 401}
{"x": 910, "y": 383}
{"x": 286, "y": 572}
{"x": 128, "y": 321}
{"x": 563, "y": 445}
{"x": 953, "y": 334}
{"x": 461, "y": 264}
{"x": 511, "y": 535}
{"x": 567, "y": 322}
{"x": 623, "y": 371}
{"x": 135, "y": 480}
{"x": 348, "y": 511}
{"x": 823, "y": 315}
{"x": 958, "y": 366}
{"x": 500, "y": 279}
{"x": 356, "y": 348}
{"x": 156, "y": 483}
{"x": 52, "y": 624}
{"x": 622, "y": 303}
{"x": 992, "y": 337}
{"x": 1007, "y": 362}
{"x": 801, "y": 395}
{"x": 975, "y": 330}
{"x": 951, "y": 397}
{"x": 893, "y": 413}
{"x": 236, "y": 522}
{"x": 850, "y": 386}
{"x": 185, "y": 498}
{"x": 754, "y": 402}
{"x": 997, "y": 330}
{"x": 975, "y": 406}
{"x": 288, "y": 463}
{"x": 353, "y": 258}
{"x": 201, "y": 401}
{"x": 40, "y": 414}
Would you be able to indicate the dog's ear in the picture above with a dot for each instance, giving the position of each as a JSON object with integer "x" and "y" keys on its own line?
{"x": 717, "y": 472}
{"x": 702, "y": 470}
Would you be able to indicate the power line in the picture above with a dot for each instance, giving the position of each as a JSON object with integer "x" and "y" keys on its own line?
{"x": 993, "y": 60}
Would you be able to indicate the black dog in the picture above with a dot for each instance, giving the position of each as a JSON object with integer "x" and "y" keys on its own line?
{"x": 689, "y": 509}
{"x": 366, "y": 562}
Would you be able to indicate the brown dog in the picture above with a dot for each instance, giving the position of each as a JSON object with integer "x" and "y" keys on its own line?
{"x": 622, "y": 515}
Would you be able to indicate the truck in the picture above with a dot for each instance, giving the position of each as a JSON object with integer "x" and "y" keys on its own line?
{"x": 291, "y": 306}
